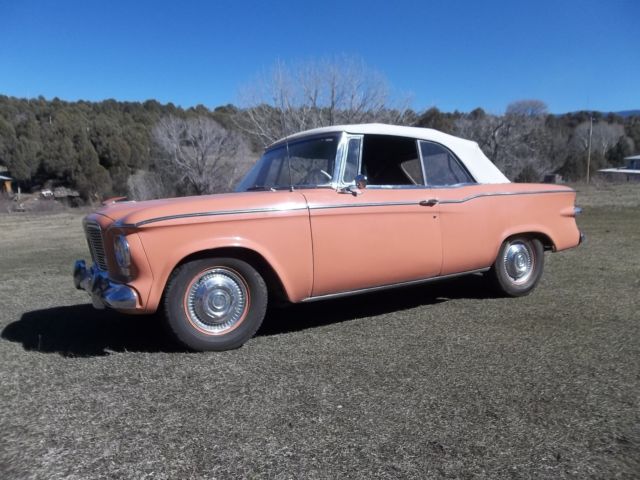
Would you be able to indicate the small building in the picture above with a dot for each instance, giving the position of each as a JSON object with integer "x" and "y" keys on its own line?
{"x": 633, "y": 162}
{"x": 552, "y": 178}
{"x": 5, "y": 184}
{"x": 629, "y": 173}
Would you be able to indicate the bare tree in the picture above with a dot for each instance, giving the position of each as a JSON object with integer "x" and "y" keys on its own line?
{"x": 518, "y": 142}
{"x": 145, "y": 185}
{"x": 604, "y": 137}
{"x": 198, "y": 153}
{"x": 291, "y": 98}
{"x": 527, "y": 108}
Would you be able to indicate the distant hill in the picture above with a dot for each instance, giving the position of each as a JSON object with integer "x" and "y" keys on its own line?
{"x": 628, "y": 113}
{"x": 621, "y": 113}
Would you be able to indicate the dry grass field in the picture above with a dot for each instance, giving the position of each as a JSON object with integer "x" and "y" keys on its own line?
{"x": 437, "y": 381}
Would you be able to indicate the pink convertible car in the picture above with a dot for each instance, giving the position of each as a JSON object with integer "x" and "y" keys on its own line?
{"x": 324, "y": 213}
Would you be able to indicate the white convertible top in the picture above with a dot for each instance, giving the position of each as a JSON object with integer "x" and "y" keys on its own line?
{"x": 482, "y": 169}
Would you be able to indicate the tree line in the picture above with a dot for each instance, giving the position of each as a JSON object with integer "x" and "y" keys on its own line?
{"x": 527, "y": 142}
{"x": 149, "y": 150}
{"x": 99, "y": 148}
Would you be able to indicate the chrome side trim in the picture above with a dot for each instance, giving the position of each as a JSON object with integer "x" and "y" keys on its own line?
{"x": 499, "y": 194}
{"x": 393, "y": 285}
{"x": 209, "y": 214}
{"x": 321, "y": 206}
{"x": 397, "y": 187}
{"x": 440, "y": 202}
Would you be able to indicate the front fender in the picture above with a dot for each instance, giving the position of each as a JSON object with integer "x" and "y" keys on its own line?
{"x": 283, "y": 241}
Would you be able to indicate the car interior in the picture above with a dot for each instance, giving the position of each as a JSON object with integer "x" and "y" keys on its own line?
{"x": 388, "y": 160}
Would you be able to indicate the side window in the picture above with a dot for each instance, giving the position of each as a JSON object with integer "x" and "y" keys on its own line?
{"x": 391, "y": 161}
{"x": 441, "y": 167}
{"x": 353, "y": 160}
{"x": 413, "y": 170}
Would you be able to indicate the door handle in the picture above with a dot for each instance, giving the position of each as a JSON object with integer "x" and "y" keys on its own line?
{"x": 429, "y": 203}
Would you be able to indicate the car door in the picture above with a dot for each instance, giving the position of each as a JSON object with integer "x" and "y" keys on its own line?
{"x": 386, "y": 233}
{"x": 469, "y": 220}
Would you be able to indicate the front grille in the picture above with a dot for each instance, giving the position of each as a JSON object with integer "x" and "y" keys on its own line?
{"x": 96, "y": 246}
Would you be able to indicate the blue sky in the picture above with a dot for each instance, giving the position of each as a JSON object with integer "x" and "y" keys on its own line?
{"x": 452, "y": 54}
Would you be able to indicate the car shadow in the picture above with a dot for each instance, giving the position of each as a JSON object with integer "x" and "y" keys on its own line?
{"x": 82, "y": 331}
{"x": 296, "y": 317}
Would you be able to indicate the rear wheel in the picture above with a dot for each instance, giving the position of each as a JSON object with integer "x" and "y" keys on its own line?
{"x": 519, "y": 265}
{"x": 215, "y": 303}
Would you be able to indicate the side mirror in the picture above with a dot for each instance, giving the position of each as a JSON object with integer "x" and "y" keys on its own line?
{"x": 361, "y": 181}
{"x": 357, "y": 189}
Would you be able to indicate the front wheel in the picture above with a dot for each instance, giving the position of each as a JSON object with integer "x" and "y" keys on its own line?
{"x": 215, "y": 303}
{"x": 519, "y": 265}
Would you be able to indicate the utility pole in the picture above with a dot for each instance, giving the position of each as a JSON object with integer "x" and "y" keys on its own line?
{"x": 589, "y": 151}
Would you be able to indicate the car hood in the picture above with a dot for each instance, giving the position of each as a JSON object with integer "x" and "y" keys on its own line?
{"x": 152, "y": 211}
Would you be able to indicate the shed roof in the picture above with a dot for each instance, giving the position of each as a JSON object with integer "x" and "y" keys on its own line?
{"x": 628, "y": 171}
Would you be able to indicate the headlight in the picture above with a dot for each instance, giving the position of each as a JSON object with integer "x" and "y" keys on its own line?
{"x": 123, "y": 255}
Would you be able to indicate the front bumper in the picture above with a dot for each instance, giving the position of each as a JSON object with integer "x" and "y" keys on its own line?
{"x": 104, "y": 292}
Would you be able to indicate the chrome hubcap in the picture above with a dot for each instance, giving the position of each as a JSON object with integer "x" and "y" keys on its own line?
{"x": 217, "y": 300}
{"x": 518, "y": 262}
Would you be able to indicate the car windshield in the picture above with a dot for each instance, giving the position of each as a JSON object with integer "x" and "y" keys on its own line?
{"x": 310, "y": 164}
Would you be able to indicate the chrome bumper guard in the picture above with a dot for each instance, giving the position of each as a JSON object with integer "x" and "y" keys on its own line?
{"x": 104, "y": 292}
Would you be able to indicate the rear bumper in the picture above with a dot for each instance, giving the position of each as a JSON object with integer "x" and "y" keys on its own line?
{"x": 103, "y": 292}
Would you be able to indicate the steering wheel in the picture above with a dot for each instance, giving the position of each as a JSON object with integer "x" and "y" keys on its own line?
{"x": 315, "y": 176}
